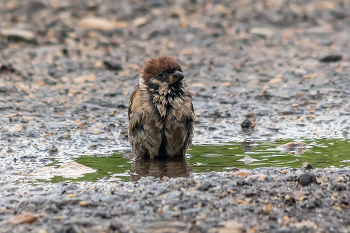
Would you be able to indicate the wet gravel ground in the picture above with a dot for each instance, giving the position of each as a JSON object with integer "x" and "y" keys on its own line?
{"x": 266, "y": 200}
{"x": 67, "y": 69}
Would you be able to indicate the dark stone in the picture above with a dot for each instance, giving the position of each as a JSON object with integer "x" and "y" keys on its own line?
{"x": 331, "y": 58}
{"x": 306, "y": 179}
{"x": 56, "y": 73}
{"x": 53, "y": 150}
{"x": 112, "y": 64}
{"x": 69, "y": 187}
{"x": 205, "y": 186}
{"x": 339, "y": 13}
{"x": 338, "y": 187}
{"x": 50, "y": 81}
{"x": 4, "y": 89}
{"x": 52, "y": 208}
{"x": 115, "y": 226}
{"x": 25, "y": 157}
{"x": 246, "y": 124}
{"x": 72, "y": 229}
{"x": 102, "y": 214}
{"x": 8, "y": 68}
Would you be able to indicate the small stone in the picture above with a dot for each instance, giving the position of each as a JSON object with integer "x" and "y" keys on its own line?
{"x": 248, "y": 124}
{"x": 18, "y": 34}
{"x": 331, "y": 58}
{"x": 87, "y": 78}
{"x": 299, "y": 72}
{"x": 306, "y": 179}
{"x": 96, "y": 23}
{"x": 115, "y": 226}
{"x": 50, "y": 81}
{"x": 66, "y": 136}
{"x": 310, "y": 76}
{"x": 83, "y": 203}
{"x": 93, "y": 146}
{"x": 263, "y": 32}
{"x": 241, "y": 173}
{"x": 260, "y": 177}
{"x": 101, "y": 214}
{"x": 205, "y": 186}
{"x": 81, "y": 125}
{"x": 340, "y": 13}
{"x": 7, "y": 68}
{"x": 141, "y": 21}
{"x": 112, "y": 64}
{"x": 53, "y": 150}
{"x": 267, "y": 208}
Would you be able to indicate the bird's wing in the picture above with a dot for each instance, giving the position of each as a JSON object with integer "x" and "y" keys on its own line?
{"x": 131, "y": 100}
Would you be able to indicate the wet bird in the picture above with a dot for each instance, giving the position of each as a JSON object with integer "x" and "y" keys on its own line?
{"x": 161, "y": 115}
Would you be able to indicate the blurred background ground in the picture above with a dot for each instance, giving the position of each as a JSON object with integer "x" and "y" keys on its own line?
{"x": 69, "y": 67}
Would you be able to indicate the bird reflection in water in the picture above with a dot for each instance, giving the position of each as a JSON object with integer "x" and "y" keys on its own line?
{"x": 248, "y": 146}
{"x": 159, "y": 168}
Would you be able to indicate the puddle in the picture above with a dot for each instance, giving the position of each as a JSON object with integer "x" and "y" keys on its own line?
{"x": 220, "y": 157}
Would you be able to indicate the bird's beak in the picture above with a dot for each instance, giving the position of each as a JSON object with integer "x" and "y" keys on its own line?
{"x": 175, "y": 77}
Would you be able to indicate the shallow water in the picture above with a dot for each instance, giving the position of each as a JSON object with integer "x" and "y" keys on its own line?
{"x": 320, "y": 153}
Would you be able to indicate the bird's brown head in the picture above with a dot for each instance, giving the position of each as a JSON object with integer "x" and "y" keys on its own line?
{"x": 162, "y": 69}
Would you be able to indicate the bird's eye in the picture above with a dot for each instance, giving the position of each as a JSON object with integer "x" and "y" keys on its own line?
{"x": 160, "y": 74}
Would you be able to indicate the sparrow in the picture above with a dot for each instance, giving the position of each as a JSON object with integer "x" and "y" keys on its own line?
{"x": 161, "y": 115}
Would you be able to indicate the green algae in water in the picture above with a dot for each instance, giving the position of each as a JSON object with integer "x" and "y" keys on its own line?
{"x": 105, "y": 167}
{"x": 320, "y": 153}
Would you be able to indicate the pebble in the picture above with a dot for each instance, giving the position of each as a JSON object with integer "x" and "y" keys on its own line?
{"x": 307, "y": 179}
{"x": 112, "y": 64}
{"x": 96, "y": 23}
{"x": 331, "y": 58}
{"x": 18, "y": 34}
